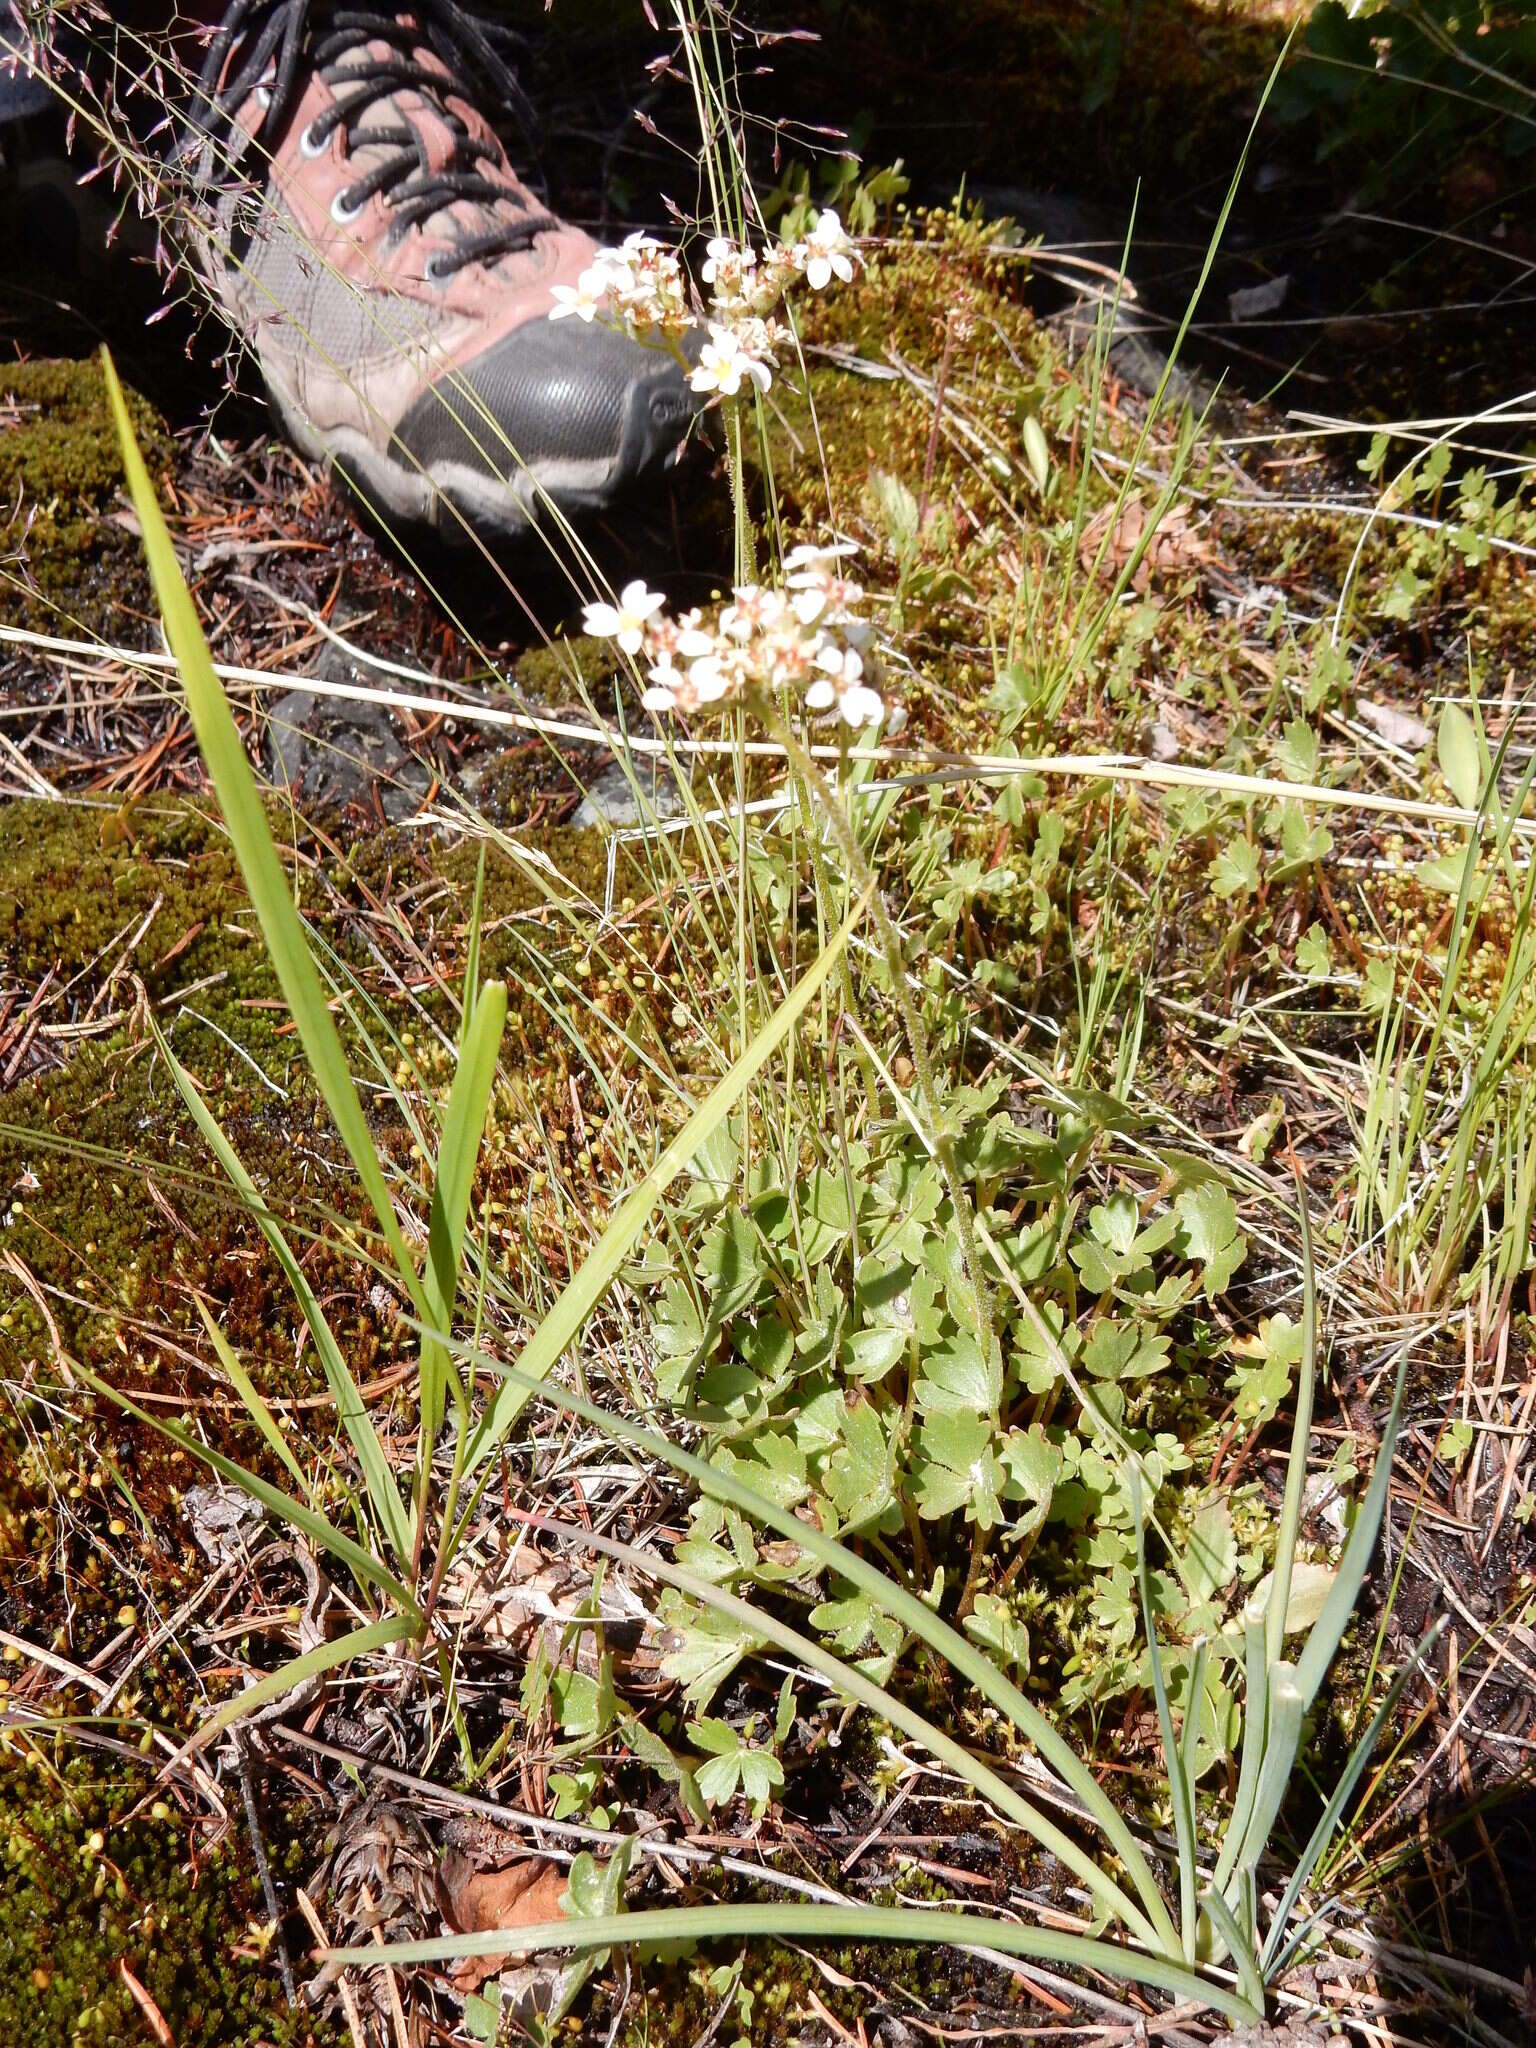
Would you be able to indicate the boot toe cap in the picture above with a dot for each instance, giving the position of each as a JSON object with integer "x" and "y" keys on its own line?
{"x": 578, "y": 410}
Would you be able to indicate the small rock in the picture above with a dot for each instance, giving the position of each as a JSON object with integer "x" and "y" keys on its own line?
{"x": 221, "y": 1518}
{"x": 335, "y": 751}
{"x": 1163, "y": 742}
{"x": 611, "y": 801}
{"x": 1254, "y": 301}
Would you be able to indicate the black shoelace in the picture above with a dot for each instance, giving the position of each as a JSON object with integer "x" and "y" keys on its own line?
{"x": 271, "y": 41}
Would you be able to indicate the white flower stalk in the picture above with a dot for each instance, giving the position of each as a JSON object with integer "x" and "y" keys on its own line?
{"x": 641, "y": 288}
{"x": 806, "y": 644}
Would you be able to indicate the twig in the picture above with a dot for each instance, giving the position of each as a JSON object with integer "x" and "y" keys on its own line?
{"x": 263, "y": 1869}
{"x": 941, "y": 386}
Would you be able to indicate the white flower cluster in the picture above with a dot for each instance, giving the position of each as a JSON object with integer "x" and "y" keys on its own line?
{"x": 806, "y": 641}
{"x": 643, "y": 288}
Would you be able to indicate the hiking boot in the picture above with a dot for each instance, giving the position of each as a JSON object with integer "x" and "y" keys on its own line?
{"x": 364, "y": 233}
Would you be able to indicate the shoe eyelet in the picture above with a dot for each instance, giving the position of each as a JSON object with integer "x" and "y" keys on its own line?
{"x": 342, "y": 214}
{"x": 312, "y": 145}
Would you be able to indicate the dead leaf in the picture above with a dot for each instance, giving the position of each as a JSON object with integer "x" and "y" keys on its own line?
{"x": 222, "y": 1517}
{"x": 1174, "y": 549}
{"x": 526, "y": 1597}
{"x": 476, "y": 1901}
{"x": 1398, "y": 728}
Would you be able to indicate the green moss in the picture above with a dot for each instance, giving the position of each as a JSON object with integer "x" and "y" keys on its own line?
{"x": 114, "y": 1205}
{"x": 87, "y": 1893}
{"x": 65, "y": 564}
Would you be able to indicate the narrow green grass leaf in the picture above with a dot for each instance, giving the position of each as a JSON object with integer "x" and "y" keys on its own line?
{"x": 1255, "y": 1729}
{"x": 1301, "y": 1438}
{"x": 592, "y": 1280}
{"x": 282, "y": 927}
{"x": 458, "y": 1150}
{"x": 1328, "y": 1631}
{"x": 824, "y": 1923}
{"x": 260, "y": 1413}
{"x": 471, "y": 993}
{"x": 378, "y": 1479}
{"x": 1249, "y": 1977}
{"x": 1281, "y": 1741}
{"x": 362, "y": 1642}
{"x": 320, "y": 1533}
{"x": 1328, "y": 1820}
{"x": 1180, "y": 1790}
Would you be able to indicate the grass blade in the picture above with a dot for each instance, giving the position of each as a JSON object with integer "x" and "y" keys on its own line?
{"x": 1249, "y": 1977}
{"x": 592, "y": 1280}
{"x": 1328, "y": 1820}
{"x": 1281, "y": 1741}
{"x": 823, "y": 1923}
{"x": 1328, "y": 1630}
{"x": 379, "y": 1480}
{"x": 1255, "y": 1730}
{"x": 472, "y": 952}
{"x": 1179, "y": 1788}
{"x": 260, "y": 1413}
{"x": 1301, "y": 1437}
{"x": 282, "y": 927}
{"x": 310, "y": 1523}
{"x": 378, "y": 1635}
{"x": 458, "y": 1151}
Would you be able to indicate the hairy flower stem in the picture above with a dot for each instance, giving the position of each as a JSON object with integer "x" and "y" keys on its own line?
{"x": 912, "y": 1024}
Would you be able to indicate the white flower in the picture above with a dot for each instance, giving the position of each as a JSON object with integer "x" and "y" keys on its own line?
{"x": 625, "y": 621}
{"x": 727, "y": 261}
{"x": 826, "y": 252}
{"x": 844, "y": 665}
{"x": 754, "y": 611}
{"x": 667, "y": 682}
{"x": 842, "y": 683}
{"x": 780, "y": 266}
{"x": 861, "y": 706}
{"x": 667, "y": 638}
{"x": 800, "y": 641}
{"x": 724, "y": 365}
{"x": 712, "y": 678}
{"x": 832, "y": 602}
{"x": 787, "y": 658}
{"x": 645, "y": 281}
{"x": 808, "y": 559}
{"x": 820, "y": 593}
{"x": 582, "y": 298}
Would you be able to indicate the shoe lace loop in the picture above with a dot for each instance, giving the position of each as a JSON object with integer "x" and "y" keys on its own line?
{"x": 271, "y": 41}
